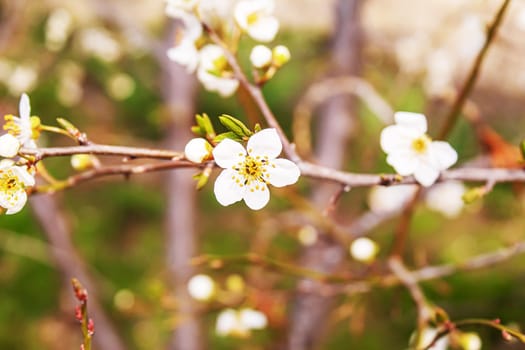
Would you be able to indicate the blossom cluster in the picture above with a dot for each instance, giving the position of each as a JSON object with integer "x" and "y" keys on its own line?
{"x": 208, "y": 59}
{"x": 15, "y": 175}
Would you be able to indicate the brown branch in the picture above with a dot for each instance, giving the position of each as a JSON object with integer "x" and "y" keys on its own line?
{"x": 131, "y": 152}
{"x": 123, "y": 169}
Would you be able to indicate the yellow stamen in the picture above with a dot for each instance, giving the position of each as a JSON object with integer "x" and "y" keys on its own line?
{"x": 420, "y": 145}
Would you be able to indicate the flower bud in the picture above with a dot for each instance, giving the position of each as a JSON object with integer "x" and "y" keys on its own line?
{"x": 364, "y": 249}
{"x": 81, "y": 162}
{"x": 280, "y": 55}
{"x": 197, "y": 150}
{"x": 261, "y": 56}
{"x": 9, "y": 146}
{"x": 201, "y": 287}
{"x": 470, "y": 341}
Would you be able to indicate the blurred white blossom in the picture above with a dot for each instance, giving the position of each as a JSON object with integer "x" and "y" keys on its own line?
{"x": 364, "y": 249}
{"x": 440, "y": 67}
{"x": 256, "y": 18}
{"x": 185, "y": 51}
{"x": 427, "y": 336}
{"x": 23, "y": 78}
{"x": 307, "y": 235}
{"x": 100, "y": 43}
{"x": 24, "y": 126}
{"x": 201, "y": 287}
{"x": 470, "y": 341}
{"x": 390, "y": 199}
{"x": 411, "y": 52}
{"x": 58, "y": 28}
{"x": 214, "y": 71}
{"x": 446, "y": 198}
{"x": 69, "y": 88}
{"x": 240, "y": 323}
{"x": 410, "y": 151}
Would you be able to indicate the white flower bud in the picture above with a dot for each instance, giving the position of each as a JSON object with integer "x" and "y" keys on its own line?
{"x": 197, "y": 150}
{"x": 81, "y": 162}
{"x": 261, "y": 56}
{"x": 252, "y": 319}
{"x": 364, "y": 249}
{"x": 281, "y": 55}
{"x": 9, "y": 146}
{"x": 201, "y": 287}
{"x": 470, "y": 341}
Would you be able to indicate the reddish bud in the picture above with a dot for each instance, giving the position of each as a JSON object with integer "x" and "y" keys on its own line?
{"x": 497, "y": 321}
{"x": 80, "y": 292}
{"x": 91, "y": 327}
{"x": 506, "y": 335}
{"x": 78, "y": 313}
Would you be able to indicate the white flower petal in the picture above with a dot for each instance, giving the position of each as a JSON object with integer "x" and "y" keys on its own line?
{"x": 24, "y": 176}
{"x": 252, "y": 319}
{"x": 9, "y": 146}
{"x": 445, "y": 155}
{"x": 265, "y": 143}
{"x": 264, "y": 30}
{"x": 396, "y": 137}
{"x": 257, "y": 195}
{"x": 227, "y": 322}
{"x": 415, "y": 121}
{"x": 18, "y": 203}
{"x": 185, "y": 54}
{"x": 226, "y": 189}
{"x": 6, "y": 163}
{"x": 24, "y": 107}
{"x": 425, "y": 174}
{"x": 228, "y": 153}
{"x": 403, "y": 162}
{"x": 282, "y": 172}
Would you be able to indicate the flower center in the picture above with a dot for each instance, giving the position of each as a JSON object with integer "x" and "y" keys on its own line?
{"x": 253, "y": 169}
{"x": 420, "y": 145}
{"x": 10, "y": 185}
{"x": 11, "y": 126}
{"x": 252, "y": 18}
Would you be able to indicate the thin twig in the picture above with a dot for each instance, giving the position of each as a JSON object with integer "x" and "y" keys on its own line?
{"x": 456, "y": 108}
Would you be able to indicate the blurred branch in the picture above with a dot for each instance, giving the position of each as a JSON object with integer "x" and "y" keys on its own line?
{"x": 320, "y": 92}
{"x": 71, "y": 265}
{"x": 457, "y": 106}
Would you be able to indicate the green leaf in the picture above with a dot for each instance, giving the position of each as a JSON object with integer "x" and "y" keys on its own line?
{"x": 204, "y": 122}
{"x": 235, "y": 125}
{"x": 226, "y": 135}
{"x": 522, "y": 148}
{"x": 257, "y": 127}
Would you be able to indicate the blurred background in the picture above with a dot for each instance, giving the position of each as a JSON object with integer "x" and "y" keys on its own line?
{"x": 102, "y": 65}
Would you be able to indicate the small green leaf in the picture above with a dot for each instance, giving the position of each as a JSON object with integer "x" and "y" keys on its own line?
{"x": 226, "y": 135}
{"x": 473, "y": 194}
{"x": 197, "y": 130}
{"x": 257, "y": 127}
{"x": 235, "y": 125}
{"x": 205, "y": 124}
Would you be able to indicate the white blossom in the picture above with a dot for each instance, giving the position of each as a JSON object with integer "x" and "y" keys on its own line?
{"x": 470, "y": 341}
{"x": 9, "y": 146}
{"x": 446, "y": 198}
{"x": 261, "y": 56}
{"x": 22, "y": 127}
{"x": 239, "y": 323}
{"x": 214, "y": 72}
{"x": 185, "y": 51}
{"x": 201, "y": 287}
{"x": 100, "y": 43}
{"x": 247, "y": 173}
{"x": 255, "y": 17}
{"x": 410, "y": 151}
{"x": 390, "y": 199}
{"x": 427, "y": 336}
{"x": 364, "y": 249}
{"x": 186, "y": 5}
{"x": 13, "y": 183}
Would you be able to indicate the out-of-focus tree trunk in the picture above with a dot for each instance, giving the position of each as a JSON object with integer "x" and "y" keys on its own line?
{"x": 335, "y": 127}
{"x": 179, "y": 92}
{"x": 69, "y": 263}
